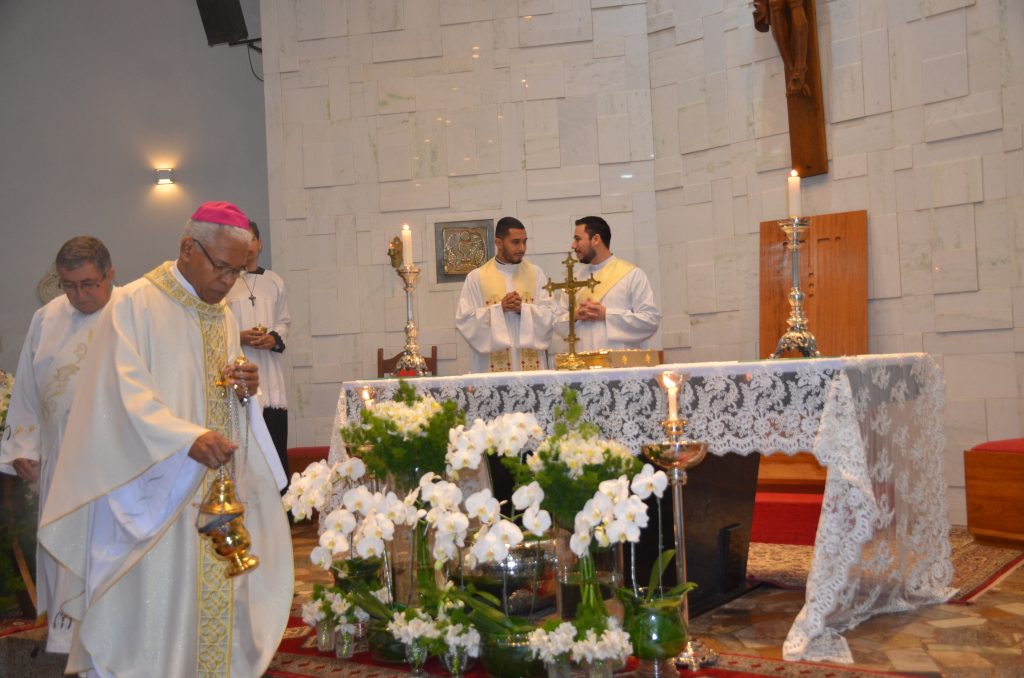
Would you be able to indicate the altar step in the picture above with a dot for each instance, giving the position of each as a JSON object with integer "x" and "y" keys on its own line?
{"x": 785, "y": 518}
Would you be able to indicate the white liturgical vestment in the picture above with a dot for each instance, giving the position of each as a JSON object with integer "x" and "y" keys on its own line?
{"x": 258, "y": 298}
{"x": 51, "y": 357}
{"x": 122, "y": 509}
{"x": 506, "y": 341}
{"x": 631, "y": 316}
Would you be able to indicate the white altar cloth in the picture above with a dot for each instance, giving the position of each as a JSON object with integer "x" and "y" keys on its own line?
{"x": 875, "y": 422}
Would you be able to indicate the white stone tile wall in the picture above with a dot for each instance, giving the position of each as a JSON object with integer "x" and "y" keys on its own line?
{"x": 422, "y": 111}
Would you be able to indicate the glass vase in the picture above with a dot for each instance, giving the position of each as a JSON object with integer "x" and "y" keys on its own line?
{"x": 587, "y": 583}
{"x": 344, "y": 642}
{"x": 559, "y": 668}
{"x": 509, "y": 656}
{"x": 657, "y": 631}
{"x": 383, "y": 646}
{"x": 599, "y": 669}
{"x": 325, "y": 635}
{"x": 416, "y": 657}
{"x": 457, "y": 661}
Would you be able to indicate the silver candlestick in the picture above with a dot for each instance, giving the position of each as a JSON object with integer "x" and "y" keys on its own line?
{"x": 675, "y": 456}
{"x": 798, "y": 336}
{"x": 410, "y": 360}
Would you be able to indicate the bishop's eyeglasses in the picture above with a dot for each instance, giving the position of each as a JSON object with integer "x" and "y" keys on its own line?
{"x": 222, "y": 270}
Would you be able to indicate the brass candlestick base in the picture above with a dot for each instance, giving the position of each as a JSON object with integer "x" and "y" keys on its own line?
{"x": 798, "y": 336}
{"x": 675, "y": 456}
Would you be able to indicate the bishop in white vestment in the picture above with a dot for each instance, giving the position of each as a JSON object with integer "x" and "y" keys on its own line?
{"x": 51, "y": 357}
{"x": 147, "y": 430}
{"x": 620, "y": 313}
{"x": 504, "y": 313}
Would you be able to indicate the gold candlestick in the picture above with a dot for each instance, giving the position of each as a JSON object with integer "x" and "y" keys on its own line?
{"x": 675, "y": 456}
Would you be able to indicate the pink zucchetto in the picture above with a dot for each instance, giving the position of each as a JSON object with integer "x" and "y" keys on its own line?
{"x": 221, "y": 212}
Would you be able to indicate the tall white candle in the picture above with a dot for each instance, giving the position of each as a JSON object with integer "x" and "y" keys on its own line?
{"x": 367, "y": 398}
{"x": 406, "y": 245}
{"x": 672, "y": 389}
{"x": 793, "y": 207}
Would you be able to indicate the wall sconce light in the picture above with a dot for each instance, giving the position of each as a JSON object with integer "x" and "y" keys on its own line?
{"x": 164, "y": 176}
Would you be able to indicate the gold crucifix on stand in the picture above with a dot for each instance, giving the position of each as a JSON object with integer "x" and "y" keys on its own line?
{"x": 570, "y": 361}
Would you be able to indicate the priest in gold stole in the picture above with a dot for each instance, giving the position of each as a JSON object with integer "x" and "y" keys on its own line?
{"x": 504, "y": 312}
{"x": 149, "y": 426}
{"x": 620, "y": 313}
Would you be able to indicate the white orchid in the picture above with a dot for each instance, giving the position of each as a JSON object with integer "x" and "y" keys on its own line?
{"x": 483, "y": 506}
{"x": 527, "y": 495}
{"x": 648, "y": 482}
{"x": 536, "y": 520}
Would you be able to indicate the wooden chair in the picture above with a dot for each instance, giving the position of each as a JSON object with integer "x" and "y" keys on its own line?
{"x": 386, "y": 366}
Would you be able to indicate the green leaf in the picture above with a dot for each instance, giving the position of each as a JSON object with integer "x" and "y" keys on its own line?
{"x": 658, "y": 570}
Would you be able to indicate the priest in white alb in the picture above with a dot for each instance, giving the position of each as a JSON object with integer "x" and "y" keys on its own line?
{"x": 151, "y": 423}
{"x": 620, "y": 312}
{"x": 51, "y": 357}
{"x": 504, "y": 313}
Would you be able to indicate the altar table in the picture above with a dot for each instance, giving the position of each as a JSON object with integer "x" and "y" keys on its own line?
{"x": 874, "y": 422}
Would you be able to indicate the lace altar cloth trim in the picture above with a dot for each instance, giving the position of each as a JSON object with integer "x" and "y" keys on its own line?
{"x": 874, "y": 421}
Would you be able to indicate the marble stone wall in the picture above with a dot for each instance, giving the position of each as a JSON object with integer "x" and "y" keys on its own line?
{"x": 667, "y": 117}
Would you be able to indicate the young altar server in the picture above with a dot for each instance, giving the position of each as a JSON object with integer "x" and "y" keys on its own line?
{"x": 504, "y": 313}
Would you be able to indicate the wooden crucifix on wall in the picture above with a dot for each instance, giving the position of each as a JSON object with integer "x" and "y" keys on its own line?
{"x": 793, "y": 25}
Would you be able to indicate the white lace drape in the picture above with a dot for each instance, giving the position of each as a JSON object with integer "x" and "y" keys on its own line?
{"x": 873, "y": 421}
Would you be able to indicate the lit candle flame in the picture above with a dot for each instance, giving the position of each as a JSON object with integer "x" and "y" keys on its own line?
{"x": 367, "y": 397}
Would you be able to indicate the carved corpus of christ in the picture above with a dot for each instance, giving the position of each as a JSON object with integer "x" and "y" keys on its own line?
{"x": 787, "y": 20}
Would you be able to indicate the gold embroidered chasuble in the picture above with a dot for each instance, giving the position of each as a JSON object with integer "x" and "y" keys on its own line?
{"x": 214, "y": 593}
{"x": 157, "y": 602}
{"x": 494, "y": 288}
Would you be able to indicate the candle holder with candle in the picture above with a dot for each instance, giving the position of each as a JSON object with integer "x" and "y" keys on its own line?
{"x": 675, "y": 456}
{"x": 798, "y": 336}
{"x": 411, "y": 362}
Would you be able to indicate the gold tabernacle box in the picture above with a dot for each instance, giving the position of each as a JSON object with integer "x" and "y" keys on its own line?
{"x": 623, "y": 357}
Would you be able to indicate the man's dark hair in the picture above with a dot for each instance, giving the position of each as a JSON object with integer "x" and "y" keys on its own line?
{"x": 505, "y": 224}
{"x": 83, "y": 249}
{"x": 255, "y": 229}
{"x": 597, "y": 226}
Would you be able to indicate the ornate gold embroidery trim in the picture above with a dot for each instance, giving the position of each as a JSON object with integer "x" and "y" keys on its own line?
{"x": 214, "y": 591}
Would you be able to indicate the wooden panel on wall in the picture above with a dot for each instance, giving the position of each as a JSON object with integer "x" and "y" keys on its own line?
{"x": 834, "y": 279}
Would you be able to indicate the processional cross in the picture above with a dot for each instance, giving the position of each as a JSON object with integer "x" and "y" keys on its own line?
{"x": 571, "y": 285}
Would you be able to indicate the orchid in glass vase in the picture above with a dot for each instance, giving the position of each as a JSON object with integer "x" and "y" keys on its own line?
{"x": 403, "y": 438}
{"x": 584, "y": 479}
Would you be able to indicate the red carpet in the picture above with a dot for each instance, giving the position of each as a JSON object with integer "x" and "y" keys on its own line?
{"x": 298, "y": 658}
{"x": 785, "y": 518}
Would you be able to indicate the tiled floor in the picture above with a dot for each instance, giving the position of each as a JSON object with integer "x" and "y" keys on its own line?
{"x": 984, "y": 639}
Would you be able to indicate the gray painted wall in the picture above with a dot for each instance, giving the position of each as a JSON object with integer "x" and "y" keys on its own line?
{"x": 93, "y": 96}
